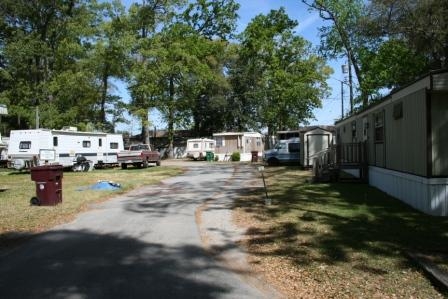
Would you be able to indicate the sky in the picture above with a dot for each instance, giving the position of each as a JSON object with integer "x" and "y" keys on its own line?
{"x": 309, "y": 22}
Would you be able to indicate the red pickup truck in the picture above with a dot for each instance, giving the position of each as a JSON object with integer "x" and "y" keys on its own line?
{"x": 139, "y": 155}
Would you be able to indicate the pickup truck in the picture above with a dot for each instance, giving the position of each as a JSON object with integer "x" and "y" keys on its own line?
{"x": 139, "y": 155}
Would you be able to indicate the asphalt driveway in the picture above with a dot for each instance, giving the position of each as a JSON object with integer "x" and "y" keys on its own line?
{"x": 174, "y": 240}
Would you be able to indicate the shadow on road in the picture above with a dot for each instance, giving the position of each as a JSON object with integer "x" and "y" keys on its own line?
{"x": 84, "y": 265}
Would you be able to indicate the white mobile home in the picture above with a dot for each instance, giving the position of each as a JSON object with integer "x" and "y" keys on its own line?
{"x": 406, "y": 140}
{"x": 30, "y": 147}
{"x": 197, "y": 148}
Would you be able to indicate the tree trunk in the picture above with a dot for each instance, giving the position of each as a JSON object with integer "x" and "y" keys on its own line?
{"x": 104, "y": 96}
{"x": 145, "y": 130}
{"x": 271, "y": 136}
{"x": 171, "y": 120}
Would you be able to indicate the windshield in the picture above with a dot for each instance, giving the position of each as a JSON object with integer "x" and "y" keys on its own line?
{"x": 280, "y": 146}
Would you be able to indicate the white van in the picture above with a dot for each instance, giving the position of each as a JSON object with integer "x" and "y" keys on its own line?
{"x": 284, "y": 152}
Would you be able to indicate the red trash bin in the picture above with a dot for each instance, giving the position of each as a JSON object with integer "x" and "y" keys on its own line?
{"x": 48, "y": 180}
{"x": 254, "y": 156}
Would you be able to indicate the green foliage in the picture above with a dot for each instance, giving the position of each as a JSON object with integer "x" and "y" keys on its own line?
{"x": 277, "y": 78}
{"x": 212, "y": 18}
{"x": 389, "y": 67}
{"x": 235, "y": 157}
{"x": 179, "y": 70}
{"x": 342, "y": 37}
{"x": 44, "y": 46}
{"x": 389, "y": 43}
{"x": 62, "y": 57}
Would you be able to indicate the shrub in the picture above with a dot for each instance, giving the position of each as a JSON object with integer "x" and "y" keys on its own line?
{"x": 235, "y": 156}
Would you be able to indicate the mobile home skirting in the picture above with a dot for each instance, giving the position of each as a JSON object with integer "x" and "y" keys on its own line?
{"x": 429, "y": 195}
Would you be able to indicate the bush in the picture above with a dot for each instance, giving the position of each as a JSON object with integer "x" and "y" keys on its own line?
{"x": 235, "y": 156}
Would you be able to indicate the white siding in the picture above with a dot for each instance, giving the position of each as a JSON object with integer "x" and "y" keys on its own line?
{"x": 427, "y": 195}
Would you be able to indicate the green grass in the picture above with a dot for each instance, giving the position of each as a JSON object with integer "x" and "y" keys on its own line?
{"x": 348, "y": 237}
{"x": 17, "y": 216}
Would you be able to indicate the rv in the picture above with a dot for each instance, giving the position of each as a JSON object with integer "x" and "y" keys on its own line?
{"x": 198, "y": 148}
{"x": 67, "y": 147}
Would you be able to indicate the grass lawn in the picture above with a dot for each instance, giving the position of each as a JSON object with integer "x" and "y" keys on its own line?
{"x": 18, "y": 218}
{"x": 339, "y": 240}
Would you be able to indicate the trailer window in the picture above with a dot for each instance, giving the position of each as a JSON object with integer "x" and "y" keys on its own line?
{"x": 100, "y": 142}
{"x": 219, "y": 141}
{"x": 195, "y": 145}
{"x": 55, "y": 141}
{"x": 86, "y": 143}
{"x": 25, "y": 145}
{"x": 114, "y": 145}
{"x": 379, "y": 127}
{"x": 354, "y": 129}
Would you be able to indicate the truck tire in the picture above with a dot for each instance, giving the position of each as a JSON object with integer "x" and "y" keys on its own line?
{"x": 158, "y": 163}
{"x": 124, "y": 166}
{"x": 145, "y": 164}
{"x": 35, "y": 201}
{"x": 85, "y": 166}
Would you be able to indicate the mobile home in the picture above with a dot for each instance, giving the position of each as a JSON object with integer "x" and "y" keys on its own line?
{"x": 406, "y": 137}
{"x": 243, "y": 142}
{"x": 66, "y": 147}
{"x": 197, "y": 148}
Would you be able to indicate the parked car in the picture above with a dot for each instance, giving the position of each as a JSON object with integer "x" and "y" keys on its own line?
{"x": 284, "y": 152}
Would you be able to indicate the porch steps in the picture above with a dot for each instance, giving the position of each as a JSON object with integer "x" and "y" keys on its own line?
{"x": 329, "y": 164}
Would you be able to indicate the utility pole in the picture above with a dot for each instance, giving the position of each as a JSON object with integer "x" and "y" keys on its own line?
{"x": 350, "y": 85}
{"x": 342, "y": 99}
{"x": 345, "y": 70}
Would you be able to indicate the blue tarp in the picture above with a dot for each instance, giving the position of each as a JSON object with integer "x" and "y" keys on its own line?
{"x": 102, "y": 185}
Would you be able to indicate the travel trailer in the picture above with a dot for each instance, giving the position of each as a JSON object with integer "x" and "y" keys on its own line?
{"x": 68, "y": 147}
{"x": 198, "y": 148}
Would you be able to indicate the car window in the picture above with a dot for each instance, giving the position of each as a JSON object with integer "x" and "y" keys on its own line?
{"x": 280, "y": 146}
{"x": 294, "y": 147}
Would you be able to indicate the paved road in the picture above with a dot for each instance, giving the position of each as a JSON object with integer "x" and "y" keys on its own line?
{"x": 155, "y": 242}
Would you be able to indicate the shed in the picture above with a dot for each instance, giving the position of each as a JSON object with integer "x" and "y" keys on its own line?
{"x": 243, "y": 142}
{"x": 313, "y": 139}
{"x": 406, "y": 137}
